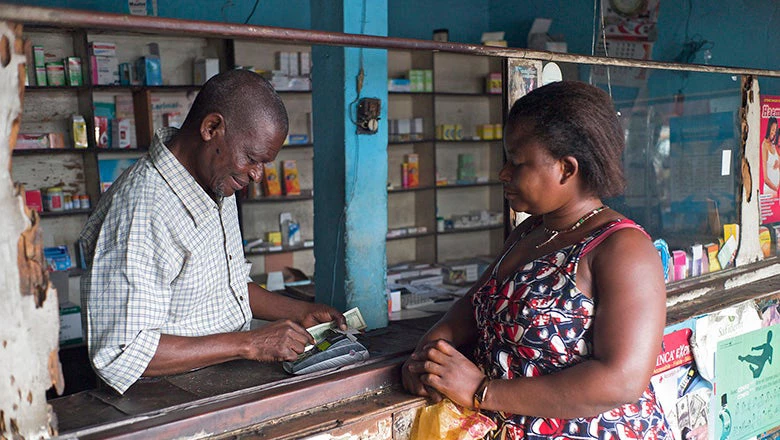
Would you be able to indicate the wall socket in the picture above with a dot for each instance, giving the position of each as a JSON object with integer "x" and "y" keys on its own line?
{"x": 368, "y": 111}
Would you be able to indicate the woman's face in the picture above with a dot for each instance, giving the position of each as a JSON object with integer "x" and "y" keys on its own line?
{"x": 772, "y": 131}
{"x": 531, "y": 176}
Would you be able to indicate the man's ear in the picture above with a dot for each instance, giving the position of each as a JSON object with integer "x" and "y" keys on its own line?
{"x": 569, "y": 168}
{"x": 212, "y": 125}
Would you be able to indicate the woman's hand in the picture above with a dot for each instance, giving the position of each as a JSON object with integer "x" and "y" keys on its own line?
{"x": 441, "y": 367}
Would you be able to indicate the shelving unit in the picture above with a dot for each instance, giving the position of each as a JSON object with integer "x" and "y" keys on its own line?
{"x": 48, "y": 109}
{"x": 458, "y": 97}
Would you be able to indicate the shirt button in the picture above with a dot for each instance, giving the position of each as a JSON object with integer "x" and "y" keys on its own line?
{"x": 241, "y": 298}
{"x": 230, "y": 257}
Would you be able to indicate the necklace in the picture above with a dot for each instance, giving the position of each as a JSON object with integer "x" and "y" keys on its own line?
{"x": 555, "y": 232}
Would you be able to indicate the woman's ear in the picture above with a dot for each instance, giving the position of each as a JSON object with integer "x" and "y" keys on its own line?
{"x": 569, "y": 168}
{"x": 212, "y": 125}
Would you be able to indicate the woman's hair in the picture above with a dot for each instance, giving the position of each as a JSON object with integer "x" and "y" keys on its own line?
{"x": 572, "y": 118}
{"x": 770, "y": 122}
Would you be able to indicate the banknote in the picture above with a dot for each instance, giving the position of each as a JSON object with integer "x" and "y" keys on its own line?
{"x": 354, "y": 320}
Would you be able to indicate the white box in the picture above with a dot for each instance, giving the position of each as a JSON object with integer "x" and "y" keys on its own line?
{"x": 70, "y": 323}
{"x": 304, "y": 63}
{"x": 203, "y": 69}
{"x": 283, "y": 62}
{"x": 120, "y": 133}
{"x": 102, "y": 49}
{"x": 104, "y": 70}
{"x": 293, "y": 67}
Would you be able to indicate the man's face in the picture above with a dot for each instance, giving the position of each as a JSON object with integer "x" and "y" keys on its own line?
{"x": 238, "y": 157}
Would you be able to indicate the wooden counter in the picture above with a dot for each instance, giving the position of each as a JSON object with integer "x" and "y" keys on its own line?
{"x": 243, "y": 399}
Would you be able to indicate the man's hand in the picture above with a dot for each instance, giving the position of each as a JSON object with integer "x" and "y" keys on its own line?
{"x": 312, "y": 314}
{"x": 276, "y": 341}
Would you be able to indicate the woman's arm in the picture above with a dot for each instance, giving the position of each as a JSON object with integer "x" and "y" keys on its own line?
{"x": 764, "y": 156}
{"x": 628, "y": 327}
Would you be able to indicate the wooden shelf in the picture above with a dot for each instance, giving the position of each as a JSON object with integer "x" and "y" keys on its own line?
{"x": 121, "y": 150}
{"x": 474, "y": 229}
{"x": 469, "y": 185}
{"x": 48, "y": 151}
{"x": 279, "y": 251}
{"x": 70, "y": 212}
{"x": 305, "y": 195}
{"x": 417, "y": 188}
{"x": 408, "y": 236}
{"x": 468, "y": 141}
{"x": 288, "y": 146}
{"x": 467, "y": 94}
{"x": 421, "y": 141}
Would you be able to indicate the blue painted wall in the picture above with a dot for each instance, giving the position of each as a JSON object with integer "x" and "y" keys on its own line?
{"x": 465, "y": 19}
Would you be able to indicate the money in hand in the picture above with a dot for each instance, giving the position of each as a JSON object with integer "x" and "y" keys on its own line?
{"x": 354, "y": 320}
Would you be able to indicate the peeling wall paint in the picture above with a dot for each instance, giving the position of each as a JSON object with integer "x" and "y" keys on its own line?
{"x": 29, "y": 335}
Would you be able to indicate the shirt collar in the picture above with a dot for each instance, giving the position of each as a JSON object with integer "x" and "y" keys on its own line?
{"x": 182, "y": 183}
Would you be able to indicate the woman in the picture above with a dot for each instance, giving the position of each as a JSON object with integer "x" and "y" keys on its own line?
{"x": 771, "y": 159}
{"x": 567, "y": 322}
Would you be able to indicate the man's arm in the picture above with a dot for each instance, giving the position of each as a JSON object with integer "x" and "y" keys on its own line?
{"x": 271, "y": 306}
{"x": 278, "y": 341}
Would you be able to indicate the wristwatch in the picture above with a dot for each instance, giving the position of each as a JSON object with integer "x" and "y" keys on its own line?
{"x": 480, "y": 394}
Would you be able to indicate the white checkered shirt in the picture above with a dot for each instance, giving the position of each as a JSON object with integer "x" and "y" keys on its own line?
{"x": 163, "y": 258}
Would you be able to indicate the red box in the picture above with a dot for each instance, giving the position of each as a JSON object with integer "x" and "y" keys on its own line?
{"x": 33, "y": 200}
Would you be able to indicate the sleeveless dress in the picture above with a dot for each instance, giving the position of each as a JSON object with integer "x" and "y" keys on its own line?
{"x": 537, "y": 323}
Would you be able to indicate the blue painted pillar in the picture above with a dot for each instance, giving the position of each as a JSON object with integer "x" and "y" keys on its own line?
{"x": 350, "y": 169}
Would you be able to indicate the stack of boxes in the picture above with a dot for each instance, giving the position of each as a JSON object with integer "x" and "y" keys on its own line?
{"x": 293, "y": 71}
{"x": 405, "y": 130}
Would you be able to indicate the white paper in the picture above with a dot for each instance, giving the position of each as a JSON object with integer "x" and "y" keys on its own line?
{"x": 725, "y": 163}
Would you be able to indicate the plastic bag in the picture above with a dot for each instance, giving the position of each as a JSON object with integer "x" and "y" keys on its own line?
{"x": 447, "y": 421}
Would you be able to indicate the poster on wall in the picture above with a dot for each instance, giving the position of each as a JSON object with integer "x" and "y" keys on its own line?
{"x": 748, "y": 383}
{"x": 769, "y": 168}
{"x": 681, "y": 391}
{"x": 524, "y": 76}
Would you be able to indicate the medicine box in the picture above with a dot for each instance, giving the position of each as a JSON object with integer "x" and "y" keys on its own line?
{"x": 271, "y": 184}
{"x": 39, "y": 57}
{"x": 33, "y": 200}
{"x": 149, "y": 70}
{"x": 104, "y": 70}
{"x": 102, "y": 49}
{"x": 204, "y": 69}
{"x": 55, "y": 73}
{"x": 73, "y": 71}
{"x": 120, "y": 133}
{"x": 70, "y": 324}
{"x": 292, "y": 186}
{"x": 460, "y": 273}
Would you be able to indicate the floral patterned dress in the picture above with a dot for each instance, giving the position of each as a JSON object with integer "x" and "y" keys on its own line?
{"x": 537, "y": 322}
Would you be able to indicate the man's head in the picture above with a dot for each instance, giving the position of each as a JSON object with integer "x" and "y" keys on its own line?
{"x": 239, "y": 123}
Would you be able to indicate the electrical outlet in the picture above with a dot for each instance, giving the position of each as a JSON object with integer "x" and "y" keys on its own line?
{"x": 368, "y": 111}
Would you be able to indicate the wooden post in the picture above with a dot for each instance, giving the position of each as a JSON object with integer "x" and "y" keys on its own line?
{"x": 29, "y": 341}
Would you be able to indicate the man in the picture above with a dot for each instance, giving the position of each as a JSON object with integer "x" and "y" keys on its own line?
{"x": 166, "y": 287}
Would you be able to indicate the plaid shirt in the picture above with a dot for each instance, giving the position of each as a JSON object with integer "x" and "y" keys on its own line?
{"x": 163, "y": 258}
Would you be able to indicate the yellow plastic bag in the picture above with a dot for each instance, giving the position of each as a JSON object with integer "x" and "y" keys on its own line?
{"x": 447, "y": 421}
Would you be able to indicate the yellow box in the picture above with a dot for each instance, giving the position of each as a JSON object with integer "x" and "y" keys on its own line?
{"x": 275, "y": 238}
{"x": 485, "y": 132}
{"x": 271, "y": 185}
{"x": 498, "y": 131}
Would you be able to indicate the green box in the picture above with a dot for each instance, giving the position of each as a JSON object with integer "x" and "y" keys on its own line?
{"x": 40, "y": 76}
{"x": 73, "y": 71}
{"x": 39, "y": 58}
{"x": 428, "y": 81}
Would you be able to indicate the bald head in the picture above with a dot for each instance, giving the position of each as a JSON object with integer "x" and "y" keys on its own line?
{"x": 242, "y": 97}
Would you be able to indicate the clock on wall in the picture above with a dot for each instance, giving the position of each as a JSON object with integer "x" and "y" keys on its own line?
{"x": 628, "y": 8}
